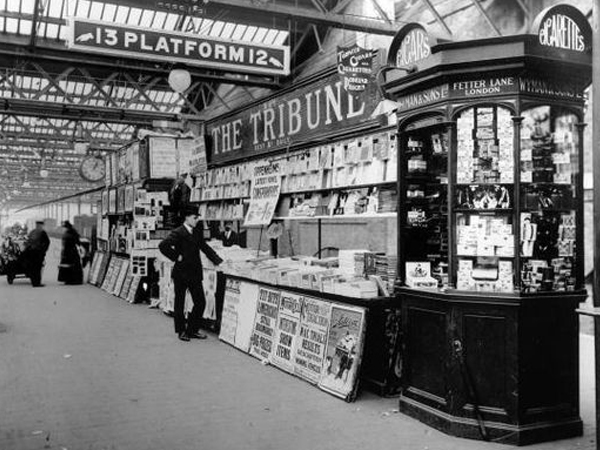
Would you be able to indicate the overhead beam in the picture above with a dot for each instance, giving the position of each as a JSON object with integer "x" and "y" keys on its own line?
{"x": 251, "y": 12}
{"x": 13, "y": 46}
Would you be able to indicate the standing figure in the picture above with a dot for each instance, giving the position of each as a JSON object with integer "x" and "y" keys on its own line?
{"x": 35, "y": 252}
{"x": 183, "y": 246}
{"x": 70, "y": 270}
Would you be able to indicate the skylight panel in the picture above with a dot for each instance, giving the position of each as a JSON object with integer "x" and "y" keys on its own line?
{"x": 281, "y": 37}
{"x": 3, "y": 5}
{"x": 27, "y": 6}
{"x": 12, "y": 6}
{"x": 159, "y": 19}
{"x": 171, "y": 21}
{"x": 217, "y": 28}
{"x": 270, "y": 37}
{"x": 238, "y": 33}
{"x": 83, "y": 8}
{"x": 260, "y": 35}
{"x": 95, "y": 11}
{"x": 146, "y": 20}
{"x": 63, "y": 34}
{"x": 122, "y": 13}
{"x": 249, "y": 33}
{"x": 134, "y": 16}
{"x": 205, "y": 26}
{"x": 11, "y": 25}
{"x": 54, "y": 8}
{"x": 227, "y": 30}
{"x": 110, "y": 11}
{"x": 52, "y": 31}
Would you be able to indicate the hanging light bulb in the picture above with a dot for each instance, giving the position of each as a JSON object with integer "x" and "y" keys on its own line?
{"x": 44, "y": 173}
{"x": 179, "y": 80}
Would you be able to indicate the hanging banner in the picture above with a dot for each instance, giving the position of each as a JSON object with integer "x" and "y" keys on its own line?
{"x": 193, "y": 49}
{"x": 308, "y": 112}
{"x": 288, "y": 329}
{"x": 265, "y": 323}
{"x": 355, "y": 67}
{"x": 310, "y": 348}
{"x": 345, "y": 341}
{"x": 264, "y": 194}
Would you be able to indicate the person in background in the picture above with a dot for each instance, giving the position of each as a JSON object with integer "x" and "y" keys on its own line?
{"x": 70, "y": 270}
{"x": 229, "y": 237}
{"x": 35, "y": 249}
{"x": 183, "y": 246}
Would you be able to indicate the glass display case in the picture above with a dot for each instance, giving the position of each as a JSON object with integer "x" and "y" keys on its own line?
{"x": 489, "y": 201}
{"x": 424, "y": 187}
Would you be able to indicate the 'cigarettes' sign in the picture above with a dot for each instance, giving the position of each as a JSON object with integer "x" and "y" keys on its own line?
{"x": 197, "y": 50}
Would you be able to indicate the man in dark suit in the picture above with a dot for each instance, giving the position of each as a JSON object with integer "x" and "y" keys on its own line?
{"x": 35, "y": 252}
{"x": 183, "y": 246}
{"x": 229, "y": 237}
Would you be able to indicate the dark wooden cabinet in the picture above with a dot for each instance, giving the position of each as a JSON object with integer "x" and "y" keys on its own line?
{"x": 503, "y": 368}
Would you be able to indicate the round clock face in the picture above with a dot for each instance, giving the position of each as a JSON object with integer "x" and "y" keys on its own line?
{"x": 92, "y": 168}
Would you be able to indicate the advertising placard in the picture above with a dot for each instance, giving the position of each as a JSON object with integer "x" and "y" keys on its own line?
{"x": 355, "y": 66}
{"x": 210, "y": 291}
{"x": 197, "y": 154}
{"x": 192, "y": 49}
{"x": 265, "y": 323}
{"x": 310, "y": 348}
{"x": 287, "y": 332}
{"x": 264, "y": 194}
{"x": 343, "y": 354}
{"x": 239, "y": 311}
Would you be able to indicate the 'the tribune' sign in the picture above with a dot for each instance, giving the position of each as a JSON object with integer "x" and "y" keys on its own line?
{"x": 192, "y": 49}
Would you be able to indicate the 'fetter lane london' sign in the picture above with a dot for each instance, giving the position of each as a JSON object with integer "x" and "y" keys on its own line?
{"x": 205, "y": 51}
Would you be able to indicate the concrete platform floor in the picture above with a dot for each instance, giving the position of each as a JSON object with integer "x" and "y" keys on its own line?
{"x": 83, "y": 370}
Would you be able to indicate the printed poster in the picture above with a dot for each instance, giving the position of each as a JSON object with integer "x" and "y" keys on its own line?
{"x": 264, "y": 193}
{"x": 265, "y": 323}
{"x": 310, "y": 348}
{"x": 344, "y": 351}
{"x": 288, "y": 328}
{"x": 230, "y": 315}
{"x": 210, "y": 291}
{"x": 239, "y": 311}
{"x": 197, "y": 155}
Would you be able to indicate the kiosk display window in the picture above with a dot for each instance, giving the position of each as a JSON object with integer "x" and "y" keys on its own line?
{"x": 425, "y": 215}
{"x": 549, "y": 174}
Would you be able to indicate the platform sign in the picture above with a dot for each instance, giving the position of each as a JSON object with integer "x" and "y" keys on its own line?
{"x": 192, "y": 49}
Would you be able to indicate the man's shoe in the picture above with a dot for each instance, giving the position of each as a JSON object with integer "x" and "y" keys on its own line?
{"x": 198, "y": 335}
{"x": 184, "y": 337}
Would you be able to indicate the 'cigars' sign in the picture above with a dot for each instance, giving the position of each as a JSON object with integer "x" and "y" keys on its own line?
{"x": 302, "y": 115}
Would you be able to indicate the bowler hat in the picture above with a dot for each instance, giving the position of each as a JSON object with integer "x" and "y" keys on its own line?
{"x": 190, "y": 211}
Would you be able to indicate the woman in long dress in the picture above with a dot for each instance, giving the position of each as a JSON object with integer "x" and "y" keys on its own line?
{"x": 70, "y": 270}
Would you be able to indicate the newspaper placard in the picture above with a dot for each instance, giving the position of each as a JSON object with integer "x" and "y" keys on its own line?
{"x": 310, "y": 348}
{"x": 230, "y": 317}
{"x": 197, "y": 160}
{"x": 266, "y": 186}
{"x": 345, "y": 342}
{"x": 210, "y": 292}
{"x": 288, "y": 329}
{"x": 265, "y": 322}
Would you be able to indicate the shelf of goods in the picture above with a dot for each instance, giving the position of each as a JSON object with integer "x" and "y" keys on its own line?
{"x": 351, "y": 177}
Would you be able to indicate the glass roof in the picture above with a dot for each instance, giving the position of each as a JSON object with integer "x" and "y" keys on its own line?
{"x": 52, "y": 20}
